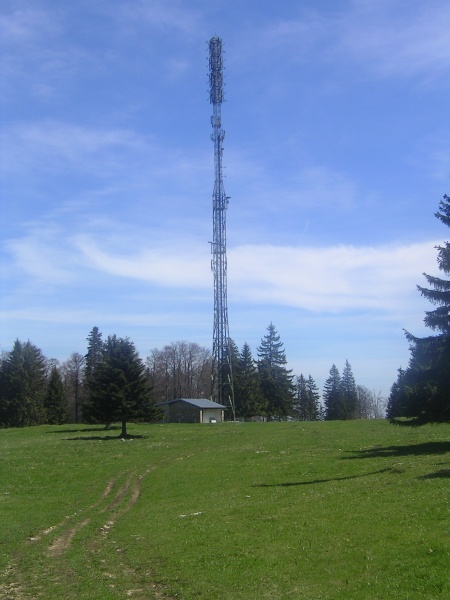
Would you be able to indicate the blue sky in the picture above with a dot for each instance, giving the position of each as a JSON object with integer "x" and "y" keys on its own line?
{"x": 336, "y": 156}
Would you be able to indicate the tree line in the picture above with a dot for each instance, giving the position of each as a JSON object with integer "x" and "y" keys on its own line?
{"x": 111, "y": 383}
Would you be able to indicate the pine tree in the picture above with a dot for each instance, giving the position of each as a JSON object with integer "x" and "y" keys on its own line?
{"x": 55, "y": 402}
{"x": 313, "y": 400}
{"x": 439, "y": 319}
{"x": 94, "y": 355}
{"x": 397, "y": 399}
{"x": 248, "y": 396}
{"x": 23, "y": 386}
{"x": 349, "y": 394}
{"x": 332, "y": 395}
{"x": 230, "y": 368}
{"x": 301, "y": 399}
{"x": 276, "y": 379}
{"x": 307, "y": 404}
{"x": 423, "y": 389}
{"x": 119, "y": 386}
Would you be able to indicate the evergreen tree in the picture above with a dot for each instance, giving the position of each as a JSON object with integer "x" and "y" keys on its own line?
{"x": 307, "y": 404}
{"x": 332, "y": 395}
{"x": 439, "y": 319}
{"x": 301, "y": 399}
{"x": 422, "y": 391}
{"x": 55, "y": 403}
{"x": 119, "y": 386}
{"x": 23, "y": 386}
{"x": 397, "y": 399}
{"x": 349, "y": 408}
{"x": 313, "y": 411}
{"x": 276, "y": 379}
{"x": 93, "y": 356}
{"x": 230, "y": 369}
{"x": 248, "y": 396}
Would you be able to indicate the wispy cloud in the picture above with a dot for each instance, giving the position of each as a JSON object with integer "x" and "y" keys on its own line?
{"x": 50, "y": 144}
{"x": 333, "y": 279}
{"x": 42, "y": 258}
{"x": 26, "y": 25}
{"x": 163, "y": 15}
{"x": 403, "y": 39}
{"x": 38, "y": 58}
{"x": 161, "y": 266}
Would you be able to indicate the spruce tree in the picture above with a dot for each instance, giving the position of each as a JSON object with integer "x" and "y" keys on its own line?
{"x": 119, "y": 387}
{"x": 313, "y": 400}
{"x": 276, "y": 379}
{"x": 23, "y": 383}
{"x": 423, "y": 389}
{"x": 332, "y": 395}
{"x": 349, "y": 409}
{"x": 439, "y": 319}
{"x": 248, "y": 394}
{"x": 93, "y": 356}
{"x": 307, "y": 403}
{"x": 301, "y": 399}
{"x": 55, "y": 402}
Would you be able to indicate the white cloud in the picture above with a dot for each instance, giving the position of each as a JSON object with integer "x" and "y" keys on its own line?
{"x": 389, "y": 39}
{"x": 163, "y": 15}
{"x": 335, "y": 279}
{"x": 42, "y": 255}
{"x": 25, "y": 25}
{"x": 162, "y": 266}
{"x": 413, "y": 40}
{"x": 51, "y": 144}
{"x": 81, "y": 317}
{"x": 54, "y": 147}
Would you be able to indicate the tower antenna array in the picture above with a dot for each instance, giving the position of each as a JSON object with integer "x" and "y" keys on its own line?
{"x": 222, "y": 376}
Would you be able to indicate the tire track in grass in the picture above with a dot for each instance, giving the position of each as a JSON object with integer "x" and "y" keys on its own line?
{"x": 13, "y": 584}
{"x": 125, "y": 495}
{"x": 118, "y": 498}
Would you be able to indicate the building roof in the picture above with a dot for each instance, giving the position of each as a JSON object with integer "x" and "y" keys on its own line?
{"x": 198, "y": 402}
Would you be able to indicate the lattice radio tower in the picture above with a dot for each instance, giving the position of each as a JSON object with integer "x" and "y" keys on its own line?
{"x": 222, "y": 376}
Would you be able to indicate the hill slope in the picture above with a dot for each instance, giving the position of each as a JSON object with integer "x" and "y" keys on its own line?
{"x": 336, "y": 510}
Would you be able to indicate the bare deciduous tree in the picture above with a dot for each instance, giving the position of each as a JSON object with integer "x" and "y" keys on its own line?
{"x": 180, "y": 370}
{"x": 72, "y": 371}
{"x": 371, "y": 404}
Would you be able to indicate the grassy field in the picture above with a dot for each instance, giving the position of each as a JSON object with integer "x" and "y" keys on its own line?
{"x": 334, "y": 510}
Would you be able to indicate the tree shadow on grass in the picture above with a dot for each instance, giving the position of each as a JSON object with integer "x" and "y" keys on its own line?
{"x": 442, "y": 474}
{"x": 106, "y": 438}
{"x": 412, "y": 449}
{"x": 85, "y": 429}
{"x": 314, "y": 481}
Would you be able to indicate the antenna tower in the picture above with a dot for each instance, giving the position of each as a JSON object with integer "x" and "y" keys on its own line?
{"x": 222, "y": 376}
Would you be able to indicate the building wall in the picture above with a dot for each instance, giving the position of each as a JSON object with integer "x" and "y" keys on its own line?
{"x": 212, "y": 413}
{"x": 181, "y": 412}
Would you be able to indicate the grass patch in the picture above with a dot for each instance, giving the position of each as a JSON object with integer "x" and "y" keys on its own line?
{"x": 231, "y": 511}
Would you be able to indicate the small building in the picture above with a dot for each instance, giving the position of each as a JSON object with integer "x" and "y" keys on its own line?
{"x": 192, "y": 410}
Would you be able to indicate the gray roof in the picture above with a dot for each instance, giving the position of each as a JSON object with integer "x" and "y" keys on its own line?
{"x": 198, "y": 402}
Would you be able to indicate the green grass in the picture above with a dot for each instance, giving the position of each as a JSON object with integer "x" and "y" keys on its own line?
{"x": 334, "y": 510}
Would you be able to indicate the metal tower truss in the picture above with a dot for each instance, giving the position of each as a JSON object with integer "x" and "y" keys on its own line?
{"x": 222, "y": 376}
